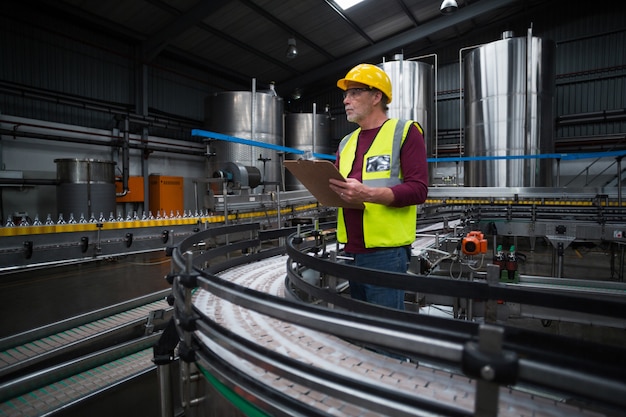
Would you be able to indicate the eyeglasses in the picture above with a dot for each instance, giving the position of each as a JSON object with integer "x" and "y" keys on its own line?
{"x": 354, "y": 92}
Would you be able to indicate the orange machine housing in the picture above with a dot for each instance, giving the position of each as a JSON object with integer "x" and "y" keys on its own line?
{"x": 474, "y": 243}
{"x": 135, "y": 190}
{"x": 166, "y": 194}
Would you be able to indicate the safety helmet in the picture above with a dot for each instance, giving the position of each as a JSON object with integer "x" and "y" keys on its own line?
{"x": 370, "y": 75}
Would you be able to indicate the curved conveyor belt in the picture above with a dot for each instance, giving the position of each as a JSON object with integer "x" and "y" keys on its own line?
{"x": 283, "y": 357}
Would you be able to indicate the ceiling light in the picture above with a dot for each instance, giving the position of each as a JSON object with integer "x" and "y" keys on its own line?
{"x": 448, "y": 6}
{"x": 346, "y": 4}
{"x": 292, "y": 51}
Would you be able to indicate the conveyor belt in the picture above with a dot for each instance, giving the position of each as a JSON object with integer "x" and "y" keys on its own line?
{"x": 66, "y": 391}
{"x": 14, "y": 358}
{"x": 36, "y": 381}
{"x": 332, "y": 353}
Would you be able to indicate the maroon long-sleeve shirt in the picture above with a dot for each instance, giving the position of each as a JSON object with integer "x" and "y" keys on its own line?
{"x": 413, "y": 190}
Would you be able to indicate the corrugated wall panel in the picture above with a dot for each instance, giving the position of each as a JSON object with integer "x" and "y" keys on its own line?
{"x": 591, "y": 68}
{"x": 178, "y": 90}
{"x": 46, "y": 60}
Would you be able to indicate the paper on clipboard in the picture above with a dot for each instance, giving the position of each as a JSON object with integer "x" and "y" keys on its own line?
{"x": 314, "y": 175}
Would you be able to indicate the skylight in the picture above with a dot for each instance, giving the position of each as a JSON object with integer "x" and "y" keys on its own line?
{"x": 346, "y": 4}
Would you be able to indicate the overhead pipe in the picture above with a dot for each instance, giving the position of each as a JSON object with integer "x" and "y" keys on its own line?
{"x": 616, "y": 115}
{"x": 28, "y": 181}
{"x": 101, "y": 143}
{"x": 119, "y": 111}
{"x": 78, "y": 136}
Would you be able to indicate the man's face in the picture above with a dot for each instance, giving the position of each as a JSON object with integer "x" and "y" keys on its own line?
{"x": 358, "y": 101}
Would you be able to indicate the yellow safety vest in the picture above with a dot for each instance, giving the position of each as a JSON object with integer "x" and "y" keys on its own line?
{"x": 382, "y": 226}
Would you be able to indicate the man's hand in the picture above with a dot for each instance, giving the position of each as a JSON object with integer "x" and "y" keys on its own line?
{"x": 354, "y": 191}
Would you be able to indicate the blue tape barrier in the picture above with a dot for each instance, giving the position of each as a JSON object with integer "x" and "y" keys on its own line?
{"x": 562, "y": 156}
{"x": 286, "y": 149}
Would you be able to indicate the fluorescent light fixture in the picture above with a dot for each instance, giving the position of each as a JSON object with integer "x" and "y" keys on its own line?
{"x": 448, "y": 6}
{"x": 346, "y": 4}
{"x": 292, "y": 51}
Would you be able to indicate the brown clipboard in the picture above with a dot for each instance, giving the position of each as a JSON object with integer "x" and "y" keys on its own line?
{"x": 314, "y": 175}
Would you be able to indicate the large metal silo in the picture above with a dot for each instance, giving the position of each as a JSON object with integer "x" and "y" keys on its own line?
{"x": 306, "y": 132}
{"x": 412, "y": 83}
{"x": 248, "y": 115}
{"x": 509, "y": 90}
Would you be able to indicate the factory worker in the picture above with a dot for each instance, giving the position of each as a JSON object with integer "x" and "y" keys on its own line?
{"x": 384, "y": 161}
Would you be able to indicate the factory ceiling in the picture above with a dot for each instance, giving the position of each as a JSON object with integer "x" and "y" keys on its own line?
{"x": 235, "y": 41}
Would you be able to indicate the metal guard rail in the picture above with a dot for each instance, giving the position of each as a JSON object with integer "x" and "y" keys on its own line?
{"x": 587, "y": 370}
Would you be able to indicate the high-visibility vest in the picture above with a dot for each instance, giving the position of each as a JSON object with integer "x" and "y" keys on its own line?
{"x": 383, "y": 226}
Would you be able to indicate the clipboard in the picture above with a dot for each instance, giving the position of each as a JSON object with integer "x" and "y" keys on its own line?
{"x": 314, "y": 175}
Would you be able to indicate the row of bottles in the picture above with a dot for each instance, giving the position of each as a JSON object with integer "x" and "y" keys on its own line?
{"x": 101, "y": 219}
{"x": 507, "y": 263}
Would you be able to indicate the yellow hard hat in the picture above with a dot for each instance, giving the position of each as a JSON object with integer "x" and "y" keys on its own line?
{"x": 370, "y": 75}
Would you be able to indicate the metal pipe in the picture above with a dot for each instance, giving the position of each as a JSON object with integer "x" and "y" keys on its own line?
{"x": 225, "y": 195}
{"x": 461, "y": 105}
{"x": 89, "y": 104}
{"x": 436, "y": 111}
{"x": 560, "y": 252}
{"x": 125, "y": 160}
{"x": 27, "y": 181}
{"x": 619, "y": 181}
{"x": 313, "y": 127}
{"x": 165, "y": 399}
{"x": 142, "y": 146}
{"x": 620, "y": 273}
{"x": 591, "y": 117}
{"x": 253, "y": 118}
{"x": 528, "y": 107}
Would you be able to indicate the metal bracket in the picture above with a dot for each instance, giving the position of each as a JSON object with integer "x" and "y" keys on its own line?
{"x": 84, "y": 244}
{"x": 128, "y": 239}
{"x": 491, "y": 366}
{"x": 28, "y": 249}
{"x": 152, "y": 316}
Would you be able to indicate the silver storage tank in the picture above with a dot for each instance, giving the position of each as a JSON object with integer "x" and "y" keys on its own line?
{"x": 413, "y": 98}
{"x": 306, "y": 132}
{"x": 85, "y": 187}
{"x": 248, "y": 115}
{"x": 509, "y": 90}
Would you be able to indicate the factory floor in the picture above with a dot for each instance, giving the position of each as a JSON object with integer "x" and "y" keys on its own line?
{"x": 36, "y": 297}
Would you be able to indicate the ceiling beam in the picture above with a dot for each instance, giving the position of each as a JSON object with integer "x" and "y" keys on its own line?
{"x": 408, "y": 13}
{"x": 290, "y": 30}
{"x": 349, "y": 21}
{"x": 379, "y": 49}
{"x": 159, "y": 40}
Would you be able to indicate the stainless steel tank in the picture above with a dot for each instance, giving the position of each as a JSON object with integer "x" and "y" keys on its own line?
{"x": 413, "y": 84}
{"x": 306, "y": 132}
{"x": 85, "y": 187}
{"x": 248, "y": 115}
{"x": 509, "y": 90}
